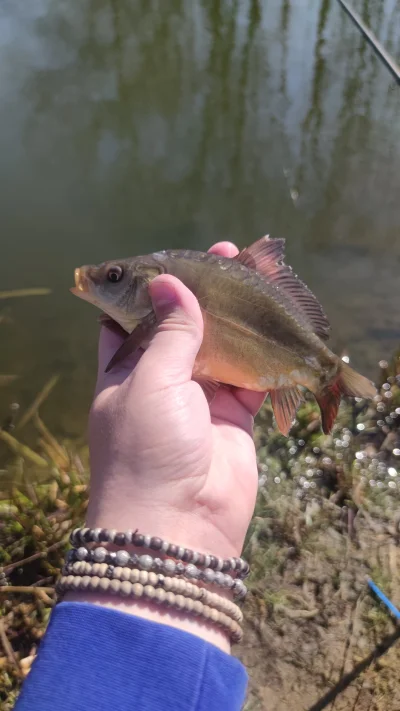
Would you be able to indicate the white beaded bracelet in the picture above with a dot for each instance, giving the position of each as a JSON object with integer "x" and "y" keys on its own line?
{"x": 175, "y": 585}
{"x": 159, "y": 596}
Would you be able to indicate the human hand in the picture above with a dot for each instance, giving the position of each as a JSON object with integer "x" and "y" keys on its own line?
{"x": 162, "y": 460}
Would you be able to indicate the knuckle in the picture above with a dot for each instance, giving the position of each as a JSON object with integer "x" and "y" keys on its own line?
{"x": 180, "y": 323}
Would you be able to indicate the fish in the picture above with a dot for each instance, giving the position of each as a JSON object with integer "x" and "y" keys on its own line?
{"x": 264, "y": 330}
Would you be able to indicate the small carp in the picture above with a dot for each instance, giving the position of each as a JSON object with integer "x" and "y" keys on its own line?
{"x": 263, "y": 328}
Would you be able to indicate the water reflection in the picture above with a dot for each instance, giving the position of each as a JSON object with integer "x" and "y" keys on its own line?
{"x": 128, "y": 126}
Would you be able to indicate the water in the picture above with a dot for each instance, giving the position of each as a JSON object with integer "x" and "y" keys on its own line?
{"x": 128, "y": 126}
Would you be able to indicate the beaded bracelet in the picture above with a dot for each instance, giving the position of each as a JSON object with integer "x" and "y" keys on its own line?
{"x": 105, "y": 535}
{"x": 167, "y": 567}
{"x": 158, "y": 595}
{"x": 175, "y": 585}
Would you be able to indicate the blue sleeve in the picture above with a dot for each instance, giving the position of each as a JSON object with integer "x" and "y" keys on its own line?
{"x": 96, "y": 659}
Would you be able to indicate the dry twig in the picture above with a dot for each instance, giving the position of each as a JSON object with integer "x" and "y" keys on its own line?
{"x": 8, "y": 650}
{"x": 23, "y": 449}
{"x": 41, "y": 554}
{"x": 17, "y": 293}
{"x": 61, "y": 457}
{"x": 38, "y": 401}
{"x": 26, "y": 589}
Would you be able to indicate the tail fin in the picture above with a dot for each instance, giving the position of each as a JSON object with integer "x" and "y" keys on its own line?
{"x": 347, "y": 382}
{"x": 355, "y": 385}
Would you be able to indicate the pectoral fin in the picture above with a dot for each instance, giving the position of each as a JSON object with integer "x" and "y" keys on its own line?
{"x": 112, "y": 325}
{"x": 133, "y": 341}
{"x": 209, "y": 387}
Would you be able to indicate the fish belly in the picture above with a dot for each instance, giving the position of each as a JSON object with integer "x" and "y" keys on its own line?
{"x": 232, "y": 355}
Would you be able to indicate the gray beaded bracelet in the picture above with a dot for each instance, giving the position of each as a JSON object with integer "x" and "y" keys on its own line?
{"x": 167, "y": 566}
{"x": 175, "y": 585}
{"x": 81, "y": 536}
{"x": 158, "y": 595}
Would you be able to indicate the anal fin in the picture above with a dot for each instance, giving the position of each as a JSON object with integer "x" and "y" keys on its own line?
{"x": 285, "y": 403}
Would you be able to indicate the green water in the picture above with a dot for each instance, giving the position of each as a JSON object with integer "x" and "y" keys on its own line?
{"x": 133, "y": 125}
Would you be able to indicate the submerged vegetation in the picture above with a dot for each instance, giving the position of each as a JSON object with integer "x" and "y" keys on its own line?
{"x": 327, "y": 516}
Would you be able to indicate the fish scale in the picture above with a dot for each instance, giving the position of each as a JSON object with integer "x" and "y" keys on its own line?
{"x": 237, "y": 271}
{"x": 253, "y": 286}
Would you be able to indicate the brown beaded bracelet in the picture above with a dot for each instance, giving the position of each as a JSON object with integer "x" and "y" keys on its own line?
{"x": 158, "y": 595}
{"x": 81, "y": 536}
{"x": 175, "y": 585}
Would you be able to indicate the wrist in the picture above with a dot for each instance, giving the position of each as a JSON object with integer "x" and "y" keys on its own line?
{"x": 154, "y": 613}
{"x": 101, "y": 551}
{"x": 190, "y": 529}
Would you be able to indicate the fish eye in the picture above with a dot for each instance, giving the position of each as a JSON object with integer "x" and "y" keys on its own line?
{"x": 115, "y": 274}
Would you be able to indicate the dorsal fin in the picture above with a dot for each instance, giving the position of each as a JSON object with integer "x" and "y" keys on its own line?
{"x": 266, "y": 256}
{"x": 263, "y": 255}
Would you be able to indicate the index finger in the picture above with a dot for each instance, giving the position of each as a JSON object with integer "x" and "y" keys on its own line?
{"x": 224, "y": 249}
{"x": 109, "y": 342}
{"x": 250, "y": 399}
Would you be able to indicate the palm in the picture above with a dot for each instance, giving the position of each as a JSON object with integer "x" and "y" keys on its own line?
{"x": 231, "y": 486}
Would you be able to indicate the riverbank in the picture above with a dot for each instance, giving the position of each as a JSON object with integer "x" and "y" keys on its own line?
{"x": 327, "y": 516}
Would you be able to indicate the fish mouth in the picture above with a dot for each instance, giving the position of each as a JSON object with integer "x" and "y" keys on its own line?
{"x": 81, "y": 287}
{"x": 82, "y": 283}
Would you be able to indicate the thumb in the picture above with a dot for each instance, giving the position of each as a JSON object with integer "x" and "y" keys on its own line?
{"x": 176, "y": 342}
